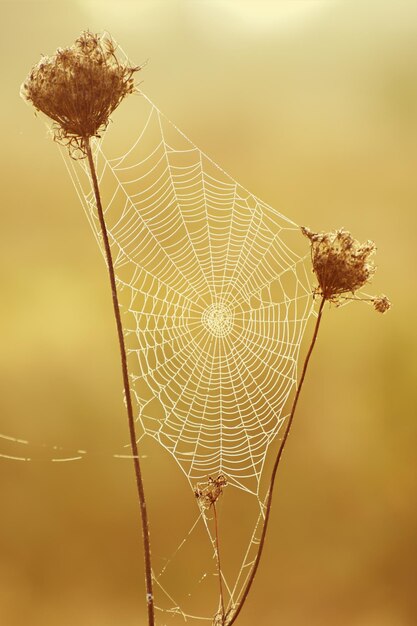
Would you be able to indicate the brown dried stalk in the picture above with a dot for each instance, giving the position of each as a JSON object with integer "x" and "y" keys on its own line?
{"x": 207, "y": 495}
{"x": 79, "y": 87}
{"x": 341, "y": 265}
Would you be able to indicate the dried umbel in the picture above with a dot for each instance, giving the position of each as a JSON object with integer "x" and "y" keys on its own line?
{"x": 79, "y": 88}
{"x": 382, "y": 304}
{"x": 208, "y": 493}
{"x": 341, "y": 264}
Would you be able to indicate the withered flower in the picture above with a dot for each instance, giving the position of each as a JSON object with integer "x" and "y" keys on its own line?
{"x": 382, "y": 304}
{"x": 209, "y": 492}
{"x": 79, "y": 88}
{"x": 341, "y": 264}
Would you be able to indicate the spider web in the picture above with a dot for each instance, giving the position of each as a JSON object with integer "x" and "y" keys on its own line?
{"x": 215, "y": 291}
{"x": 215, "y": 300}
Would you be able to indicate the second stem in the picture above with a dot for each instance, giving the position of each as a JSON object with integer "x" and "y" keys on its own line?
{"x": 275, "y": 468}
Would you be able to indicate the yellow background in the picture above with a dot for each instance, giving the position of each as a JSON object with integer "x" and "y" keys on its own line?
{"x": 311, "y": 105}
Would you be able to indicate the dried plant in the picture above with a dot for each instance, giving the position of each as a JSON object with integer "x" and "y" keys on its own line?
{"x": 341, "y": 265}
{"x": 381, "y": 303}
{"x": 79, "y": 88}
{"x": 207, "y": 494}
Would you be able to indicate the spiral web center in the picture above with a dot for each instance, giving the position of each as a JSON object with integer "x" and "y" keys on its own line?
{"x": 218, "y": 319}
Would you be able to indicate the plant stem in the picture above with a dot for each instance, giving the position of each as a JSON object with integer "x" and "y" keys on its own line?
{"x": 126, "y": 384}
{"x": 219, "y": 567}
{"x": 275, "y": 468}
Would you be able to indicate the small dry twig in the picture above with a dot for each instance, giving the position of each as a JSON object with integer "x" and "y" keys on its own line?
{"x": 207, "y": 494}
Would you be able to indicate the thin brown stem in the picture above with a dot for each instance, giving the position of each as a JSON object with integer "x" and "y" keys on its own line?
{"x": 126, "y": 384}
{"x": 275, "y": 468}
{"x": 219, "y": 566}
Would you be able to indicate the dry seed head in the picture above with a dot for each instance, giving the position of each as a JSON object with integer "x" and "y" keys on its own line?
{"x": 382, "y": 304}
{"x": 341, "y": 264}
{"x": 209, "y": 492}
{"x": 79, "y": 88}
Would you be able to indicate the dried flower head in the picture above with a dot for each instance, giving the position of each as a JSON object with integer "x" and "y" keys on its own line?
{"x": 79, "y": 88}
{"x": 341, "y": 264}
{"x": 209, "y": 492}
{"x": 382, "y": 304}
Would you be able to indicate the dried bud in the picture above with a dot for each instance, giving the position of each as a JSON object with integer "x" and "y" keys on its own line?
{"x": 79, "y": 88}
{"x": 208, "y": 493}
{"x": 381, "y": 304}
{"x": 341, "y": 264}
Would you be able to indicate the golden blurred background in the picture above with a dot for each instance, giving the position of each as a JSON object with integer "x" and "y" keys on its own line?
{"x": 311, "y": 105}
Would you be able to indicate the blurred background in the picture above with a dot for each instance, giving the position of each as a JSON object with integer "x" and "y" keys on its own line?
{"x": 311, "y": 105}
